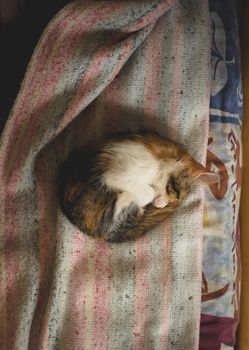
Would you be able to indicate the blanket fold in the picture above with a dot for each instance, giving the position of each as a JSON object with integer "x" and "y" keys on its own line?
{"x": 102, "y": 67}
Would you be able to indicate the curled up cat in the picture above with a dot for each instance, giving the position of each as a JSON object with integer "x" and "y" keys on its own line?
{"x": 124, "y": 186}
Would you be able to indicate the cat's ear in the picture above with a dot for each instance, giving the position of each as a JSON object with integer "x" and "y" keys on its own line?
{"x": 200, "y": 173}
{"x": 207, "y": 177}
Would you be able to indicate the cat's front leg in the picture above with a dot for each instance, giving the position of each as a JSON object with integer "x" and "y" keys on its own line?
{"x": 124, "y": 200}
{"x": 141, "y": 195}
{"x": 144, "y": 195}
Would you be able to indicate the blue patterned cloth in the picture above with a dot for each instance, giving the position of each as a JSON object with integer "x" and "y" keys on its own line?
{"x": 226, "y": 88}
{"x": 221, "y": 251}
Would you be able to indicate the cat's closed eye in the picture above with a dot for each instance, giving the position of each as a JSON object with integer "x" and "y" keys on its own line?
{"x": 173, "y": 187}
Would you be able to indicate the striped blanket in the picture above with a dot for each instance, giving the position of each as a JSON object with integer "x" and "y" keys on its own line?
{"x": 102, "y": 67}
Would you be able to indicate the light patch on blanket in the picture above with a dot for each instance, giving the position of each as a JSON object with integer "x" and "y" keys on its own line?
{"x": 226, "y": 347}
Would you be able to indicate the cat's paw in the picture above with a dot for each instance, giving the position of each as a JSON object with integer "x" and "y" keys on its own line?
{"x": 140, "y": 211}
{"x": 160, "y": 202}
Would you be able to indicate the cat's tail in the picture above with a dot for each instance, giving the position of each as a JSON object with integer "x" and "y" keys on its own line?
{"x": 133, "y": 225}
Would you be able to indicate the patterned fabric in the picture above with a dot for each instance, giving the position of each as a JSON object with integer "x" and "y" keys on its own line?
{"x": 114, "y": 65}
{"x": 221, "y": 253}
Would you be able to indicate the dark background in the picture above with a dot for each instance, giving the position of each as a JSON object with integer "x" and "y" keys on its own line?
{"x": 21, "y": 24}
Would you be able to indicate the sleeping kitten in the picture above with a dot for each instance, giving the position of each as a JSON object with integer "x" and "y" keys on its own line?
{"x": 126, "y": 185}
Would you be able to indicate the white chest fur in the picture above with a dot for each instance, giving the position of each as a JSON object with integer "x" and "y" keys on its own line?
{"x": 135, "y": 172}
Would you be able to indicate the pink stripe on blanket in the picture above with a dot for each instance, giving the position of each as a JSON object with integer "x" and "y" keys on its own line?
{"x": 76, "y": 317}
{"x": 102, "y": 273}
{"x": 153, "y": 76}
{"x": 12, "y": 264}
{"x": 177, "y": 57}
{"x": 167, "y": 282}
{"x": 47, "y": 241}
{"x": 142, "y": 264}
